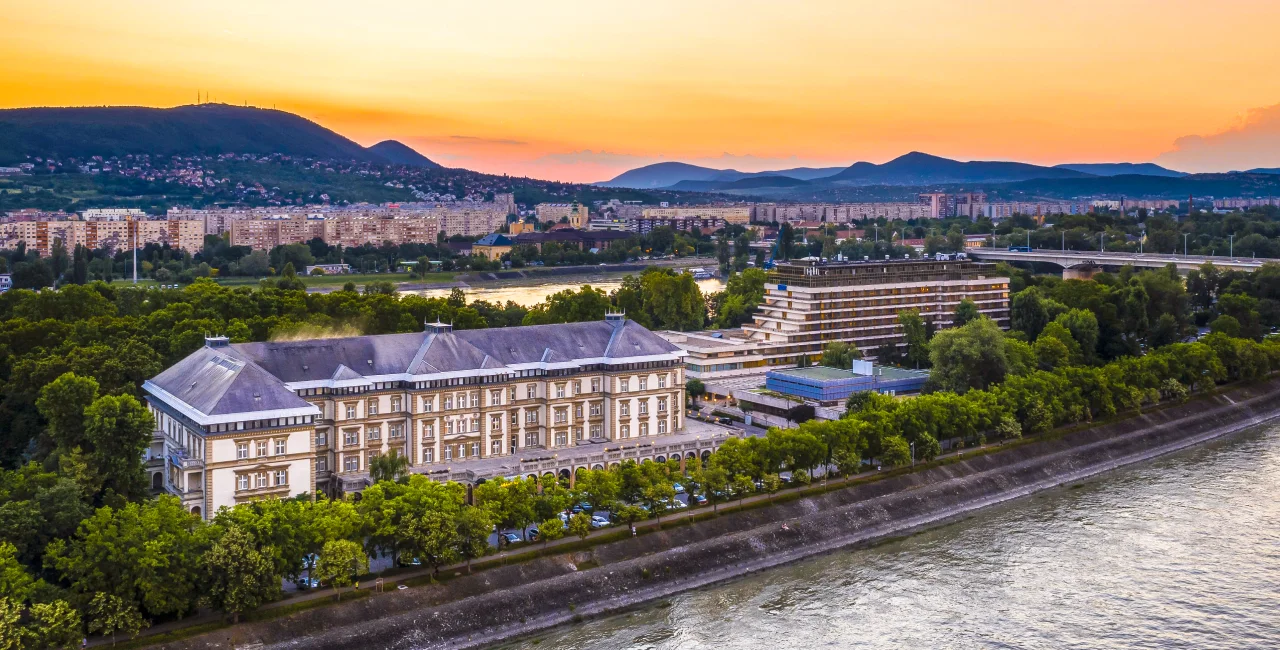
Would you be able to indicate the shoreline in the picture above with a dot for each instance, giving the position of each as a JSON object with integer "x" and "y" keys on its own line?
{"x": 516, "y": 601}
{"x": 531, "y": 276}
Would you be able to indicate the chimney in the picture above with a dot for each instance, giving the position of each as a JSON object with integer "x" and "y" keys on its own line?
{"x": 216, "y": 341}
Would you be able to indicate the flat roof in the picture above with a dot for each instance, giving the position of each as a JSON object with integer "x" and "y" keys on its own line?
{"x": 825, "y": 373}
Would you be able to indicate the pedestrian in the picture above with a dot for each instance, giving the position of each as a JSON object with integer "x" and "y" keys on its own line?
{"x": 633, "y": 530}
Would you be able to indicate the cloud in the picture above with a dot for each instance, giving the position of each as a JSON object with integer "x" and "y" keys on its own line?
{"x": 1253, "y": 142}
{"x": 477, "y": 139}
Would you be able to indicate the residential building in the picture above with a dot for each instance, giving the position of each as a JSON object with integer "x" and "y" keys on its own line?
{"x": 576, "y": 214}
{"x": 740, "y": 214}
{"x": 237, "y": 422}
{"x": 40, "y": 234}
{"x": 492, "y": 246}
{"x": 706, "y": 224}
{"x": 581, "y": 239}
{"x": 328, "y": 269}
{"x": 824, "y": 213}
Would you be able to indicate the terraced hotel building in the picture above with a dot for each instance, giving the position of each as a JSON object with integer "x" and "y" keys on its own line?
{"x": 809, "y": 303}
{"x": 244, "y": 421}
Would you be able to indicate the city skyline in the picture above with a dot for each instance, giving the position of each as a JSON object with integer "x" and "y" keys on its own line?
{"x": 580, "y": 93}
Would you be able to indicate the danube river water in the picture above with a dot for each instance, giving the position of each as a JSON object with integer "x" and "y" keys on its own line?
{"x": 1181, "y": 552}
{"x": 529, "y": 295}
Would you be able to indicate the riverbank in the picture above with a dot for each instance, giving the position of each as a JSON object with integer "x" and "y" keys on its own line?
{"x": 518, "y": 599}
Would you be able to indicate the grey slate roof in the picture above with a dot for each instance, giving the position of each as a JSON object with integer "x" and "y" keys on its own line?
{"x": 246, "y": 377}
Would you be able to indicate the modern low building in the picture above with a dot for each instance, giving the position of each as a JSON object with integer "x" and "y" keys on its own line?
{"x": 328, "y": 269}
{"x": 492, "y": 246}
{"x": 244, "y": 421}
{"x": 832, "y": 386}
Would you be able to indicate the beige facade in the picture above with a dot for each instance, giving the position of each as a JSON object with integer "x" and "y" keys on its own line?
{"x": 348, "y": 230}
{"x": 113, "y": 235}
{"x": 838, "y": 212}
{"x": 739, "y": 214}
{"x": 552, "y": 213}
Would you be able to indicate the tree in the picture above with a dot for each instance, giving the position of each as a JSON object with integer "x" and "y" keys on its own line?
{"x": 1028, "y": 313}
{"x": 15, "y": 582}
{"x": 916, "y": 336}
{"x": 53, "y": 626}
{"x": 742, "y": 486}
{"x": 838, "y": 354}
{"x": 628, "y": 513}
{"x": 597, "y": 487}
{"x": 63, "y": 403}
{"x": 431, "y": 537}
{"x": 147, "y": 554}
{"x": 110, "y": 614}
{"x": 658, "y": 495}
{"x": 965, "y": 312}
{"x": 695, "y": 389}
{"x": 771, "y": 483}
{"x": 968, "y": 357}
{"x": 550, "y": 530}
{"x": 289, "y": 280}
{"x": 118, "y": 429}
{"x": 580, "y": 525}
{"x": 715, "y": 480}
{"x": 473, "y": 526}
{"x": 388, "y": 467}
{"x": 341, "y": 563}
{"x": 238, "y": 577}
{"x": 895, "y": 451}
{"x": 511, "y": 503}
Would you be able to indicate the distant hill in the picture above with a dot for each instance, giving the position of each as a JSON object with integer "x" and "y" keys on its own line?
{"x": 205, "y": 129}
{"x": 1264, "y": 170}
{"x": 398, "y": 153}
{"x": 918, "y": 168}
{"x": 669, "y": 174}
{"x": 748, "y": 183}
{"x": 1120, "y": 169}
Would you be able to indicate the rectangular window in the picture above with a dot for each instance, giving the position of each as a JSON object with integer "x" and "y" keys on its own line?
{"x": 662, "y": 381}
{"x": 495, "y": 424}
{"x": 596, "y": 431}
{"x": 531, "y": 417}
{"x": 372, "y": 409}
{"x": 662, "y": 427}
{"x": 475, "y": 449}
{"x": 462, "y": 452}
{"x": 373, "y": 433}
{"x": 577, "y": 433}
{"x": 495, "y": 447}
{"x": 395, "y": 404}
{"x": 448, "y": 427}
{"x": 351, "y": 463}
{"x": 242, "y": 482}
{"x": 428, "y": 430}
{"x": 428, "y": 455}
{"x": 281, "y": 443}
{"x": 495, "y": 398}
{"x": 577, "y": 412}
{"x": 559, "y": 391}
{"x": 644, "y": 383}
{"x": 351, "y": 437}
{"x": 322, "y": 463}
{"x": 644, "y": 407}
{"x": 662, "y": 404}
{"x": 596, "y": 408}
{"x": 242, "y": 450}
{"x": 531, "y": 439}
{"x": 282, "y": 477}
{"x": 562, "y": 438}
{"x": 448, "y": 452}
{"x": 322, "y": 438}
{"x": 577, "y": 386}
{"x": 428, "y": 404}
{"x": 515, "y": 419}
{"x": 644, "y": 428}
{"x": 462, "y": 400}
{"x": 562, "y": 416}
{"x": 531, "y": 391}
{"x": 475, "y": 400}
{"x": 511, "y": 394}
{"x": 625, "y": 431}
{"x": 260, "y": 448}
{"x": 395, "y": 431}
{"x": 595, "y": 384}
{"x": 624, "y": 409}
{"x": 351, "y": 411}
{"x": 448, "y": 402}
{"x": 260, "y": 480}
{"x": 623, "y": 385}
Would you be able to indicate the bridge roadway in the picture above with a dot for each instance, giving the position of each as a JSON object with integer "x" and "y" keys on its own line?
{"x": 1071, "y": 259}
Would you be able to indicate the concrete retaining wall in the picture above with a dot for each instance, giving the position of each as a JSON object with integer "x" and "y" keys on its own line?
{"x": 505, "y": 602}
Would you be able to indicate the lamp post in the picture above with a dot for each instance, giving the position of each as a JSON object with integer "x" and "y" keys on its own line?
{"x": 1102, "y": 247}
{"x": 1231, "y": 245}
{"x": 1184, "y": 243}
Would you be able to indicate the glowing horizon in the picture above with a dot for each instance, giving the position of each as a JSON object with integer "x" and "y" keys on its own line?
{"x": 583, "y": 91}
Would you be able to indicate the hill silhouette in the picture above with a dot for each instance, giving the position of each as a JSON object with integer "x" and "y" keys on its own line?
{"x": 917, "y": 168}
{"x": 205, "y": 129}
{"x": 398, "y": 153}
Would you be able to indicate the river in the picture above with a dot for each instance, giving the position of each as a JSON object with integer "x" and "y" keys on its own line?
{"x": 528, "y": 294}
{"x": 1180, "y": 552}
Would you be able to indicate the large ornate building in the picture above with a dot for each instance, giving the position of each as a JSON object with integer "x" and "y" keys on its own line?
{"x": 237, "y": 422}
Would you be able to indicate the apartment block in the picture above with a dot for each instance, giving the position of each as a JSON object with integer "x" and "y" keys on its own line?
{"x": 111, "y": 234}
{"x": 237, "y": 422}
{"x": 550, "y": 213}
{"x": 740, "y": 214}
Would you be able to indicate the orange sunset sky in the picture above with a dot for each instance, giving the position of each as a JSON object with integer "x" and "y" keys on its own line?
{"x": 584, "y": 90}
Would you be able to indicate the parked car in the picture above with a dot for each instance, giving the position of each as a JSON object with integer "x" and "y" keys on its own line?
{"x": 510, "y": 538}
{"x": 676, "y": 504}
{"x": 698, "y": 499}
{"x": 600, "y": 521}
{"x": 679, "y": 488}
{"x": 582, "y": 507}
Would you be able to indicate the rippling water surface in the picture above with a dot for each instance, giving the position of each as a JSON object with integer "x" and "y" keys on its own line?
{"x": 1182, "y": 552}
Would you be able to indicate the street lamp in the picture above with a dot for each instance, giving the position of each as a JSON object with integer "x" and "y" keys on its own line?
{"x": 1184, "y": 243}
{"x": 1102, "y": 247}
{"x": 1231, "y": 245}
{"x": 913, "y": 454}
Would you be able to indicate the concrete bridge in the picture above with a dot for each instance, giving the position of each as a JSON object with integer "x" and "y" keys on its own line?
{"x": 1079, "y": 263}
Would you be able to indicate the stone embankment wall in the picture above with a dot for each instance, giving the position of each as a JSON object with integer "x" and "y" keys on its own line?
{"x": 505, "y": 602}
